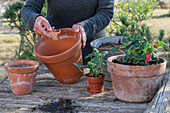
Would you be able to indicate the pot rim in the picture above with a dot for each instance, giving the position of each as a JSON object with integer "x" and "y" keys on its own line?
{"x": 96, "y": 77}
{"x": 62, "y": 56}
{"x": 135, "y": 71}
{"x": 113, "y": 57}
{"x": 106, "y": 49}
{"x": 21, "y": 70}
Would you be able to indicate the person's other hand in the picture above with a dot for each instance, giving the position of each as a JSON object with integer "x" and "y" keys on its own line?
{"x": 78, "y": 28}
{"x": 39, "y": 27}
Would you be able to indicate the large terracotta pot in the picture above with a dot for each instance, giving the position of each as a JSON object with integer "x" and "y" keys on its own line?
{"x": 95, "y": 84}
{"x": 21, "y": 74}
{"x": 60, "y": 54}
{"x": 135, "y": 83}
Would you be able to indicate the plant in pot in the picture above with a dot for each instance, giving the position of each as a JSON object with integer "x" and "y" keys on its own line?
{"x": 95, "y": 77}
{"x": 137, "y": 75}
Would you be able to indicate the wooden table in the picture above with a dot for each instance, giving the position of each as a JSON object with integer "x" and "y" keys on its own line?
{"x": 75, "y": 98}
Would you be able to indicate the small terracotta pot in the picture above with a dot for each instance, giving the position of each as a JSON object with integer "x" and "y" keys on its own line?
{"x": 21, "y": 74}
{"x": 135, "y": 83}
{"x": 60, "y": 54}
{"x": 95, "y": 84}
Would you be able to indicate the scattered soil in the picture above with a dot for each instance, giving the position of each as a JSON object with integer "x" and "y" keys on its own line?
{"x": 119, "y": 61}
{"x": 110, "y": 45}
{"x": 62, "y": 106}
{"x": 22, "y": 65}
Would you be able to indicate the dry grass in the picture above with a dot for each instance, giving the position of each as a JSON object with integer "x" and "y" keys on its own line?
{"x": 160, "y": 20}
{"x": 8, "y": 45}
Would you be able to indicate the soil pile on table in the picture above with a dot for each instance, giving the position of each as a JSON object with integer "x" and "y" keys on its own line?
{"x": 62, "y": 106}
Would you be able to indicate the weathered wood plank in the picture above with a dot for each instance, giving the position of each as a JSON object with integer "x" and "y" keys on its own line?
{"x": 47, "y": 89}
{"x": 3, "y": 78}
{"x": 161, "y": 101}
{"x": 84, "y": 110}
{"x": 73, "y": 94}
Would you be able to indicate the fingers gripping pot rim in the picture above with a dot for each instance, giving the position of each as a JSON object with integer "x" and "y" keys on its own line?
{"x": 59, "y": 55}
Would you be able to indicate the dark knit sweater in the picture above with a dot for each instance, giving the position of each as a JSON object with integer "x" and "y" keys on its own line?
{"x": 92, "y": 15}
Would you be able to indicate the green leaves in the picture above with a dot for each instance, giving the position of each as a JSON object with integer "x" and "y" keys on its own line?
{"x": 88, "y": 56}
{"x": 135, "y": 61}
{"x": 116, "y": 48}
{"x": 124, "y": 40}
{"x": 161, "y": 34}
{"x": 141, "y": 62}
{"x": 137, "y": 47}
{"x": 104, "y": 53}
{"x": 139, "y": 39}
{"x": 96, "y": 62}
{"x": 78, "y": 65}
{"x": 95, "y": 52}
{"x": 160, "y": 43}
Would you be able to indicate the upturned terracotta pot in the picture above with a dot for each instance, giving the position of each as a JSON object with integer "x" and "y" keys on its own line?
{"x": 95, "y": 84}
{"x": 21, "y": 74}
{"x": 135, "y": 83}
{"x": 60, "y": 54}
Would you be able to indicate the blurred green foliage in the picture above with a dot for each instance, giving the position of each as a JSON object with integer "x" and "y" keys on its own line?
{"x": 128, "y": 11}
{"x": 28, "y": 38}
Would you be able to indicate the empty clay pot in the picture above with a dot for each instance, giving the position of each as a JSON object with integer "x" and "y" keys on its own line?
{"x": 21, "y": 74}
{"x": 59, "y": 55}
{"x": 95, "y": 84}
{"x": 135, "y": 83}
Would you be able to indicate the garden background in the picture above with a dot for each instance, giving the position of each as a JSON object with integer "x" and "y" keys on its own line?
{"x": 16, "y": 42}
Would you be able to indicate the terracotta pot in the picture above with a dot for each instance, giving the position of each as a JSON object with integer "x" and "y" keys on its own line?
{"x": 59, "y": 55}
{"x": 113, "y": 39}
{"x": 95, "y": 84}
{"x": 21, "y": 74}
{"x": 135, "y": 83}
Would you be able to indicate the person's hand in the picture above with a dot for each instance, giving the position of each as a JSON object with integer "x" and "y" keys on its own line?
{"x": 39, "y": 27}
{"x": 78, "y": 28}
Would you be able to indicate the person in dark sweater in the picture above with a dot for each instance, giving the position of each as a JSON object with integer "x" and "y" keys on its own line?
{"x": 89, "y": 17}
